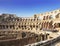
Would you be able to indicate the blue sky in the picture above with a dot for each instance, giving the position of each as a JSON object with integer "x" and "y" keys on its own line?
{"x": 27, "y": 8}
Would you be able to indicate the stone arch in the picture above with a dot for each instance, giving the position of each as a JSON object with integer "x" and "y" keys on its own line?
{"x": 6, "y": 26}
{"x": 31, "y": 27}
{"x": 47, "y": 17}
{"x": 44, "y": 18}
{"x": 35, "y": 16}
{"x": 23, "y": 34}
{"x": 57, "y": 16}
{"x": 44, "y": 24}
{"x": 56, "y": 25}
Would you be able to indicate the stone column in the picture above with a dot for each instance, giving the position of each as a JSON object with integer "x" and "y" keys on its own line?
{"x": 45, "y": 24}
{"x": 41, "y": 36}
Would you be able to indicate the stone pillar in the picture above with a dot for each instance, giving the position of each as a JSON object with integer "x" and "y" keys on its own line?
{"x": 41, "y": 36}
{"x": 9, "y": 26}
{"x": 5, "y": 27}
{"x": 0, "y": 26}
{"x": 46, "y": 17}
{"x": 49, "y": 25}
{"x": 45, "y": 24}
{"x": 46, "y": 37}
{"x": 42, "y": 25}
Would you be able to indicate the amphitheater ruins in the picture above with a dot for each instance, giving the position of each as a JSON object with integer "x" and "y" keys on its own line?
{"x": 24, "y": 27}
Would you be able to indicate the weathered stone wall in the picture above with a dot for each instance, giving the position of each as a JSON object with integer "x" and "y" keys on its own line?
{"x": 37, "y": 22}
{"x": 17, "y": 42}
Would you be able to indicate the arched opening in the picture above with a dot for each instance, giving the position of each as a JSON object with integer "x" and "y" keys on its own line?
{"x": 23, "y": 34}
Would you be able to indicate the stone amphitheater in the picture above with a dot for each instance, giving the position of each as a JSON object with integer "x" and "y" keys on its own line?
{"x": 14, "y": 27}
{"x": 46, "y": 20}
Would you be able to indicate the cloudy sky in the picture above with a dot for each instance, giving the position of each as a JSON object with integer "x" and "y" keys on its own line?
{"x": 27, "y": 8}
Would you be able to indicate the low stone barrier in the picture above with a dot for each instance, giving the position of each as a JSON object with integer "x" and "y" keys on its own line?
{"x": 45, "y": 43}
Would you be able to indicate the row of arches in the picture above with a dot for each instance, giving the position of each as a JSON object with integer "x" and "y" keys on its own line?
{"x": 40, "y": 25}
{"x": 47, "y": 25}
{"x": 51, "y": 16}
{"x": 7, "y": 26}
{"x": 47, "y": 17}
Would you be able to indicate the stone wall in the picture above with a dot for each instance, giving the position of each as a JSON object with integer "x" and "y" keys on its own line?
{"x": 17, "y": 42}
